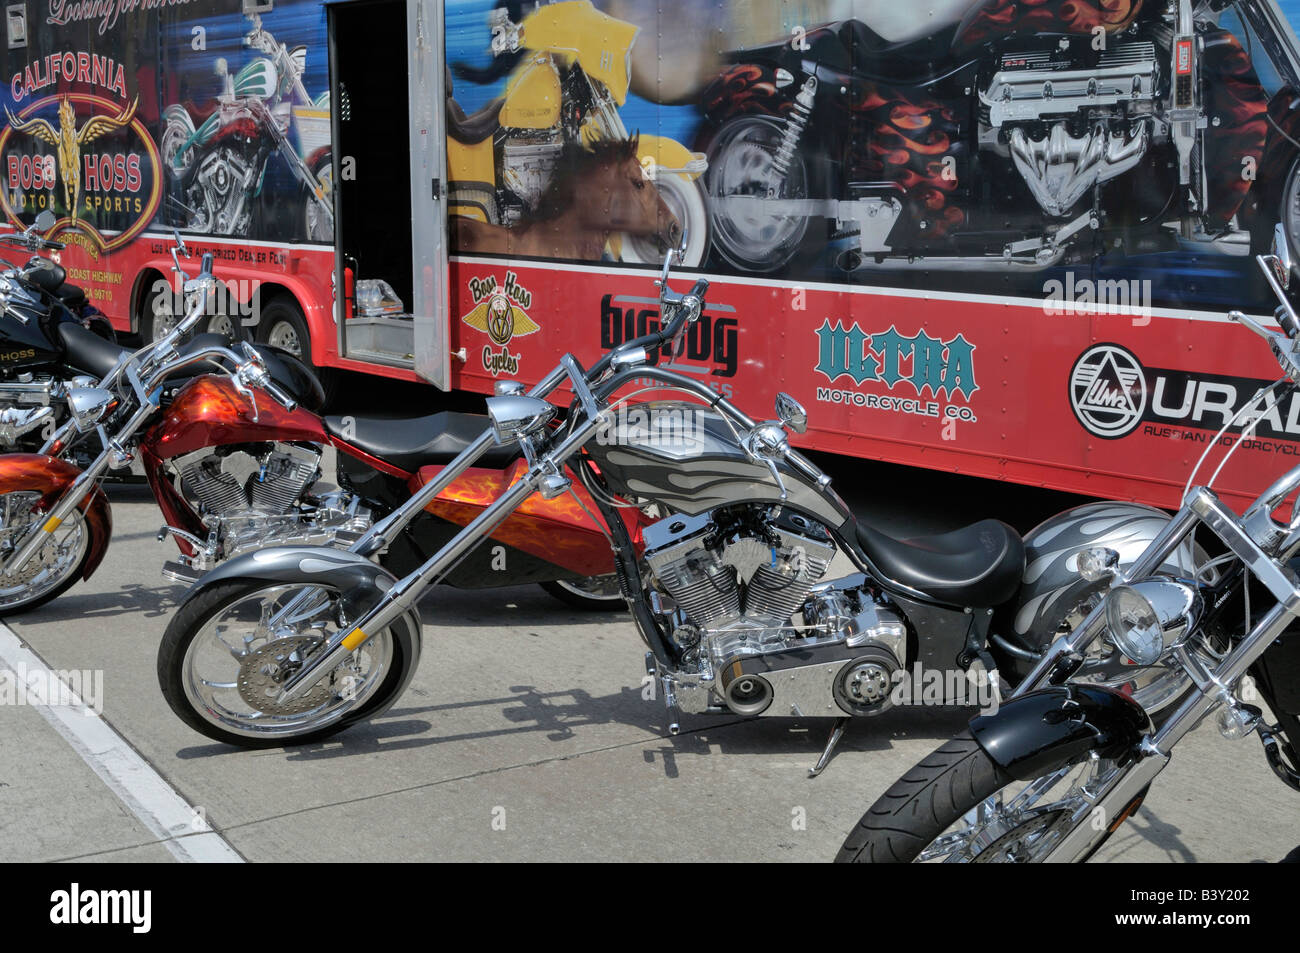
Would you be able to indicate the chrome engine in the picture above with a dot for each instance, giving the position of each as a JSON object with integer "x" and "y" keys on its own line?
{"x": 219, "y": 196}
{"x": 526, "y": 169}
{"x": 257, "y": 495}
{"x": 739, "y": 593}
{"x": 1068, "y": 130}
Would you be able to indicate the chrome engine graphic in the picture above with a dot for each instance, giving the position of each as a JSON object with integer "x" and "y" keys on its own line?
{"x": 738, "y": 590}
{"x": 219, "y": 195}
{"x": 1070, "y": 130}
{"x": 258, "y": 495}
{"x": 527, "y": 169}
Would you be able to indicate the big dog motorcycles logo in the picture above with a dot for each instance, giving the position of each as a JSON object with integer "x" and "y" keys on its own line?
{"x": 1112, "y": 394}
{"x": 500, "y": 314}
{"x": 709, "y": 349}
{"x": 930, "y": 367}
{"x": 84, "y": 155}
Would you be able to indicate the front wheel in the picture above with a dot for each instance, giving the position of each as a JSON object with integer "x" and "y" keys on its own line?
{"x": 685, "y": 199}
{"x": 55, "y": 567}
{"x": 957, "y": 806}
{"x": 220, "y": 666}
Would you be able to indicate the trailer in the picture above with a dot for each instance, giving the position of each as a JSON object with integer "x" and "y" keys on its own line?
{"x": 999, "y": 239}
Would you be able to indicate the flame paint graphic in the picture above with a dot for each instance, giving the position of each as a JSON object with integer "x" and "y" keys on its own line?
{"x": 1000, "y": 17}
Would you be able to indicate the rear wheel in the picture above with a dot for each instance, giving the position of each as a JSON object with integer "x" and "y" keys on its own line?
{"x": 220, "y": 666}
{"x": 55, "y": 567}
{"x": 957, "y": 806}
{"x": 685, "y": 199}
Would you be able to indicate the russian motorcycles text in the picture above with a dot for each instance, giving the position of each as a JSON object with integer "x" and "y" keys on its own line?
{"x": 725, "y": 584}
{"x": 1017, "y": 136}
{"x": 1061, "y": 765}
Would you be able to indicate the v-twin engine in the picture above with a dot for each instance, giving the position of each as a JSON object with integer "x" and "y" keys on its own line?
{"x": 257, "y": 495}
{"x": 738, "y": 593}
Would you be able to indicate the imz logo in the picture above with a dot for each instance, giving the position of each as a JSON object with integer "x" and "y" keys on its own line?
{"x": 1108, "y": 391}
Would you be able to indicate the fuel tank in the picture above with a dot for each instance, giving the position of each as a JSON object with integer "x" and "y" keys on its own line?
{"x": 25, "y": 343}
{"x": 209, "y": 412}
{"x": 689, "y": 459}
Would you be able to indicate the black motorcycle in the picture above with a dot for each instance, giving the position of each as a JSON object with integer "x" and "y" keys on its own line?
{"x": 1062, "y": 764}
{"x": 51, "y": 336}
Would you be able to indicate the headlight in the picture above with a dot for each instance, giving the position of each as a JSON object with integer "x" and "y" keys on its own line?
{"x": 1147, "y": 618}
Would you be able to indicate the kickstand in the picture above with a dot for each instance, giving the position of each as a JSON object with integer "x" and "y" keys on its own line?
{"x": 837, "y": 732}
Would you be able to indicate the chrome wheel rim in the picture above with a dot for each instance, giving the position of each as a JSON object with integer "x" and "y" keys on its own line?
{"x": 1023, "y": 821}
{"x": 285, "y": 336}
{"x": 234, "y": 664}
{"x": 60, "y": 554}
{"x": 164, "y": 319}
{"x": 222, "y": 324}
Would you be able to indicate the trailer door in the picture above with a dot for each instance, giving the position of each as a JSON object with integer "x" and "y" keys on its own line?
{"x": 386, "y": 78}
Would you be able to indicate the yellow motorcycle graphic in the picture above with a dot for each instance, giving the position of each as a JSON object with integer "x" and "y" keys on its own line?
{"x": 510, "y": 164}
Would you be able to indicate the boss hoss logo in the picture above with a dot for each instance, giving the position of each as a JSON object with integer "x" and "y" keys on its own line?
{"x": 925, "y": 366}
{"x": 500, "y": 313}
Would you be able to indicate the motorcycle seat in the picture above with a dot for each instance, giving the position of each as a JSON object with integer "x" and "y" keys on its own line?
{"x": 871, "y": 56}
{"x": 977, "y": 566}
{"x": 472, "y": 130}
{"x": 87, "y": 351}
{"x": 409, "y": 443}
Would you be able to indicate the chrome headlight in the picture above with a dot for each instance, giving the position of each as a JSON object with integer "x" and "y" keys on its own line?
{"x": 1148, "y": 618}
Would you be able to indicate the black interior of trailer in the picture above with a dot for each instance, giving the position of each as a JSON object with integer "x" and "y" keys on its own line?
{"x": 368, "y": 90}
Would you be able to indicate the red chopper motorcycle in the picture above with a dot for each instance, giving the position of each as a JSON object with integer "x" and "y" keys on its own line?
{"x": 232, "y": 476}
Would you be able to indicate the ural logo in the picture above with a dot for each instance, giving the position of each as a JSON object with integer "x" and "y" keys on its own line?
{"x": 1108, "y": 390}
{"x": 501, "y": 315}
{"x": 890, "y": 357}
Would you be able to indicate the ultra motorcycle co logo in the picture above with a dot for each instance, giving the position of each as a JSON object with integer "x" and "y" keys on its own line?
{"x": 84, "y": 155}
{"x": 1112, "y": 393}
{"x": 926, "y": 364}
{"x": 501, "y": 315}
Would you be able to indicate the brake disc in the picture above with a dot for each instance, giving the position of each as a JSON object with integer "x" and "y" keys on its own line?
{"x": 260, "y": 676}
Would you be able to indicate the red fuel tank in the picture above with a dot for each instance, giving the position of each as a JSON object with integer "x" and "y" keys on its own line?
{"x": 209, "y": 412}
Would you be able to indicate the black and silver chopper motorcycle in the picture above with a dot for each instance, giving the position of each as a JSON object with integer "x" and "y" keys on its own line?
{"x": 1065, "y": 761}
{"x": 291, "y": 644}
{"x": 51, "y": 338}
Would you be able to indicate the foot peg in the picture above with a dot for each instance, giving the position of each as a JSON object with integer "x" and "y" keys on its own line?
{"x": 837, "y": 732}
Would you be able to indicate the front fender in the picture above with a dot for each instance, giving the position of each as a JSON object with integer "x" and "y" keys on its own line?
{"x": 51, "y": 477}
{"x": 1053, "y": 727}
{"x": 361, "y": 582}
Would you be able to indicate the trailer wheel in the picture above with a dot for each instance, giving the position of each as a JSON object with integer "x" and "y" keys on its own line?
{"x": 281, "y": 324}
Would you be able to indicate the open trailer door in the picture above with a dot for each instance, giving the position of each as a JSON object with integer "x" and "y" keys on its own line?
{"x": 390, "y": 223}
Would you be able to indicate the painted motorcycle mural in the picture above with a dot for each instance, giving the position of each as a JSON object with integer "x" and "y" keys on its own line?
{"x": 1017, "y": 137}
{"x": 508, "y": 162}
{"x": 216, "y": 156}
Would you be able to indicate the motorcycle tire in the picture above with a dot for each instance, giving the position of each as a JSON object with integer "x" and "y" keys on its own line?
{"x": 280, "y": 324}
{"x": 926, "y": 801}
{"x": 189, "y": 622}
{"x": 72, "y": 573}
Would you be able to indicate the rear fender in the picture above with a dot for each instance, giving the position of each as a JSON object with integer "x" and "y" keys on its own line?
{"x": 51, "y": 477}
{"x": 1054, "y": 727}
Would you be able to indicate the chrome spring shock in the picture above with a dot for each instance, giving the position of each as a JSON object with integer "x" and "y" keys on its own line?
{"x": 795, "y": 122}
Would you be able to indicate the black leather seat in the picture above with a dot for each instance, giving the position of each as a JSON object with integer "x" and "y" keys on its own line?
{"x": 409, "y": 443}
{"x": 87, "y": 351}
{"x": 474, "y": 128}
{"x": 73, "y": 298}
{"x": 978, "y": 565}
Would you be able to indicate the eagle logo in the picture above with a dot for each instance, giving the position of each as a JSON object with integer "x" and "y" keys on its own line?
{"x": 500, "y": 319}
{"x": 69, "y": 139}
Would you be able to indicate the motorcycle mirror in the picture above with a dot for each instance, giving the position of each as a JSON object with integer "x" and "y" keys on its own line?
{"x": 45, "y": 221}
{"x": 1280, "y": 257}
{"x": 181, "y": 247}
{"x": 791, "y": 413}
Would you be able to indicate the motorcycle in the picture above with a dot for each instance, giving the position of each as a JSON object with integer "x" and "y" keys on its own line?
{"x": 229, "y": 476}
{"x": 725, "y": 583}
{"x": 1061, "y": 765}
{"x": 569, "y": 76}
{"x": 48, "y": 330}
{"x": 217, "y": 167}
{"x": 1010, "y": 137}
